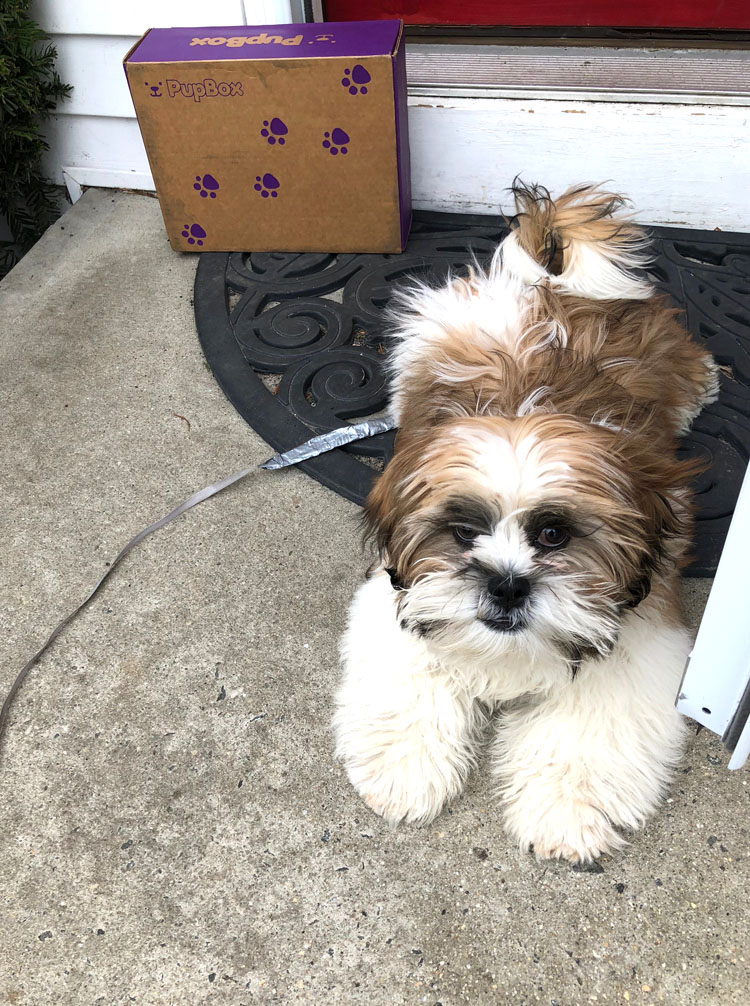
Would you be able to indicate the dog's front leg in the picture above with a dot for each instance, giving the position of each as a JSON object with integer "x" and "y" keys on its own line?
{"x": 404, "y": 731}
{"x": 596, "y": 753}
{"x": 406, "y": 738}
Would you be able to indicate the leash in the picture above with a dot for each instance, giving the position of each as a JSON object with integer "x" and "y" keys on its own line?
{"x": 310, "y": 449}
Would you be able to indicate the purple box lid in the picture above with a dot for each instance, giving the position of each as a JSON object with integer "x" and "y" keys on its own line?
{"x": 281, "y": 41}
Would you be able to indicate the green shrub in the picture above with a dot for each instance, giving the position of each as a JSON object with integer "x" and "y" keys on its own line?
{"x": 29, "y": 91}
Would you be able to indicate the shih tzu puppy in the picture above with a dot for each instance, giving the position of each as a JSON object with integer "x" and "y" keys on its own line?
{"x": 531, "y": 527}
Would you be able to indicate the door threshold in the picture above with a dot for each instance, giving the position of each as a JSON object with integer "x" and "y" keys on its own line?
{"x": 594, "y": 72}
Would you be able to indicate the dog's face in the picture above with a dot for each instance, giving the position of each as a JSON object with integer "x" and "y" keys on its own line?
{"x": 531, "y": 534}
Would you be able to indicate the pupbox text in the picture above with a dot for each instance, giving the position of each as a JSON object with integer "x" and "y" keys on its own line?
{"x": 239, "y": 40}
{"x": 207, "y": 88}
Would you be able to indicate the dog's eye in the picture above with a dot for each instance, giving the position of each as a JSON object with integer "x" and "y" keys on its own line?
{"x": 463, "y": 534}
{"x": 553, "y": 537}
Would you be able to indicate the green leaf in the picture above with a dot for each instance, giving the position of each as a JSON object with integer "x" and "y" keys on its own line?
{"x": 30, "y": 90}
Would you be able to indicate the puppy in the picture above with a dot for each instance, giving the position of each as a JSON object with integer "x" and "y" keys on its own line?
{"x": 531, "y": 527}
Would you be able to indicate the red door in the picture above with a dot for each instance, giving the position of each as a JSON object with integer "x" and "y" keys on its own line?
{"x": 717, "y": 14}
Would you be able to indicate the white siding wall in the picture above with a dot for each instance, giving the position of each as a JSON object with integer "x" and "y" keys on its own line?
{"x": 682, "y": 164}
{"x": 94, "y": 139}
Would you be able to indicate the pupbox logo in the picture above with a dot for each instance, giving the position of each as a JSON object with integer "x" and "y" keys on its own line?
{"x": 208, "y": 88}
{"x": 237, "y": 41}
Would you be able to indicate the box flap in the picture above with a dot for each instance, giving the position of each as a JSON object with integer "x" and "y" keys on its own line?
{"x": 283, "y": 41}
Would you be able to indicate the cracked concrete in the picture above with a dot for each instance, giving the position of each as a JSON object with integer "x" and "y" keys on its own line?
{"x": 174, "y": 828}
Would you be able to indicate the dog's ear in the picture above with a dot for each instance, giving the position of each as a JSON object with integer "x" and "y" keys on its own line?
{"x": 638, "y": 590}
{"x": 668, "y": 525}
{"x": 383, "y": 507}
{"x": 378, "y": 518}
{"x": 389, "y": 517}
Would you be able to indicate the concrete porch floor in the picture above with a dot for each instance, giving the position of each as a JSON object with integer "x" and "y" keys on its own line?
{"x": 174, "y": 828}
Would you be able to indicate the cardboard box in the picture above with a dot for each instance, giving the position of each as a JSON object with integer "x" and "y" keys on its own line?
{"x": 279, "y": 138}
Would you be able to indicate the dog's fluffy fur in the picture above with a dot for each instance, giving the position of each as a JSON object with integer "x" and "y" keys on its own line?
{"x": 531, "y": 527}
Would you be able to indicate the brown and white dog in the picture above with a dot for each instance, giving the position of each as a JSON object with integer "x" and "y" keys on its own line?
{"x": 531, "y": 528}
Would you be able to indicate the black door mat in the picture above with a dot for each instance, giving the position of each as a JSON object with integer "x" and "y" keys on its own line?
{"x": 297, "y": 343}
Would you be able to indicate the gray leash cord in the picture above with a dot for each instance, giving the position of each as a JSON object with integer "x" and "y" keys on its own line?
{"x": 310, "y": 449}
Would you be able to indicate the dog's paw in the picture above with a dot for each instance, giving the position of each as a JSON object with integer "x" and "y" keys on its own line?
{"x": 409, "y": 788}
{"x": 395, "y": 805}
{"x": 568, "y": 829}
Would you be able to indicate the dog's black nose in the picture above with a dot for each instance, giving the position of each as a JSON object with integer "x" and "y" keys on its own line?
{"x": 509, "y": 591}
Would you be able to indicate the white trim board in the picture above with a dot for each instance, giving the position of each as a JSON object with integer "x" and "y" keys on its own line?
{"x": 76, "y": 179}
{"x": 112, "y": 146}
{"x": 717, "y": 674}
{"x": 680, "y": 165}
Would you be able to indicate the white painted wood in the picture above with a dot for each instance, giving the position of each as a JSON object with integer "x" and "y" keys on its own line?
{"x": 679, "y": 165}
{"x": 93, "y": 65}
{"x": 71, "y": 183}
{"x": 741, "y": 752}
{"x": 76, "y": 179}
{"x": 87, "y": 141}
{"x": 103, "y": 17}
{"x": 718, "y": 670}
{"x": 267, "y": 12}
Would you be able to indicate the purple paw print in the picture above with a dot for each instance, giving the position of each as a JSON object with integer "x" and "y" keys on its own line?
{"x": 335, "y": 141}
{"x": 206, "y": 185}
{"x": 266, "y": 185}
{"x": 194, "y": 234}
{"x": 274, "y": 132}
{"x": 356, "y": 79}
